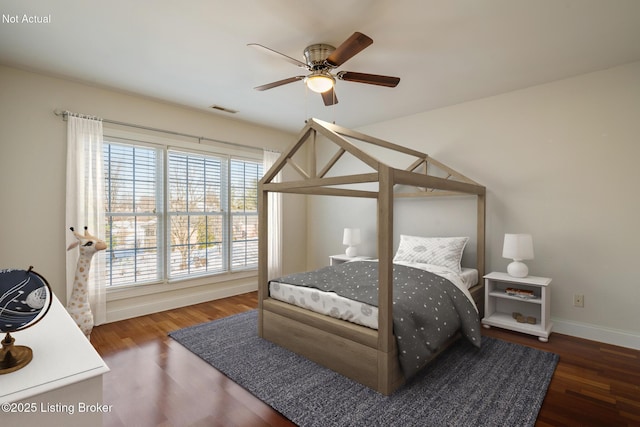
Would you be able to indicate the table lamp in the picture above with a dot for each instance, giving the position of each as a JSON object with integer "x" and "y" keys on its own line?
{"x": 351, "y": 238}
{"x": 518, "y": 247}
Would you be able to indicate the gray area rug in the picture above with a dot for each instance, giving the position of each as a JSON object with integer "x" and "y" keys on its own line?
{"x": 501, "y": 384}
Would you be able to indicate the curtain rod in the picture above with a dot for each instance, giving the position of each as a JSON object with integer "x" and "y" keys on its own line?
{"x": 64, "y": 114}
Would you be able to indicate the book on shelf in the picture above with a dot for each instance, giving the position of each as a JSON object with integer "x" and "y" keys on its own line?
{"x": 522, "y": 293}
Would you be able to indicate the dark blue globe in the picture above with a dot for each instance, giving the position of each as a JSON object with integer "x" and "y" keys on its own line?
{"x": 25, "y": 297}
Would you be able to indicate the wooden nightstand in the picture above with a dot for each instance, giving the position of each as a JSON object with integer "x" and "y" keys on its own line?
{"x": 339, "y": 259}
{"x": 499, "y": 306}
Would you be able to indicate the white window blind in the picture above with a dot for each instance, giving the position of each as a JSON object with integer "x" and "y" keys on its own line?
{"x": 244, "y": 213}
{"x": 133, "y": 213}
{"x": 197, "y": 214}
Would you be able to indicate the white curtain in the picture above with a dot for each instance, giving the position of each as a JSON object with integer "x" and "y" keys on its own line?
{"x": 274, "y": 221}
{"x": 85, "y": 203}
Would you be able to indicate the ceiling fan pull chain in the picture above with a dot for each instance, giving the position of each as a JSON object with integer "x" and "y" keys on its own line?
{"x": 334, "y": 107}
{"x": 306, "y": 103}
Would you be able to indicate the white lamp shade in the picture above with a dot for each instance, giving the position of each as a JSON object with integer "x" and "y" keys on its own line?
{"x": 351, "y": 236}
{"x": 518, "y": 246}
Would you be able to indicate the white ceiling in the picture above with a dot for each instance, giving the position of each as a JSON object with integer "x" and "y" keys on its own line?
{"x": 194, "y": 52}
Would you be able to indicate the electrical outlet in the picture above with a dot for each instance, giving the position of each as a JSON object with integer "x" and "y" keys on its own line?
{"x": 578, "y": 300}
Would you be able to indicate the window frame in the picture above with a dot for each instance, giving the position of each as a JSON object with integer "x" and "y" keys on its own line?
{"x": 165, "y": 146}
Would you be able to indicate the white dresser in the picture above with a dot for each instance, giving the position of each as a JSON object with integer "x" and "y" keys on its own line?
{"x": 62, "y": 385}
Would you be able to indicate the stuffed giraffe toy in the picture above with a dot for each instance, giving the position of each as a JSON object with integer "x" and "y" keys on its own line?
{"x": 78, "y": 306}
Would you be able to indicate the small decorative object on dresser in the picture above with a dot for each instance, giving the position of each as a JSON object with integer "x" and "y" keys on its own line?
{"x": 351, "y": 238}
{"x": 518, "y": 247}
{"x": 518, "y": 304}
{"x": 78, "y": 306}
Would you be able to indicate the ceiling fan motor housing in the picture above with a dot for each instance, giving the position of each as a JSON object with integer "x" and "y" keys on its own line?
{"x": 316, "y": 54}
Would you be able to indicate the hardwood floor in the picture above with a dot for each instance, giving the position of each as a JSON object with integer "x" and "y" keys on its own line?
{"x": 154, "y": 381}
{"x": 594, "y": 384}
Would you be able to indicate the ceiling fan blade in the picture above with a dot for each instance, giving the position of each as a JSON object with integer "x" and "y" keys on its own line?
{"x": 329, "y": 97}
{"x": 281, "y": 55}
{"x": 372, "y": 79}
{"x": 279, "y": 83}
{"x": 350, "y": 47}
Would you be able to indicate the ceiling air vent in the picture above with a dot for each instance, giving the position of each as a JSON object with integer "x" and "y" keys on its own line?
{"x": 223, "y": 109}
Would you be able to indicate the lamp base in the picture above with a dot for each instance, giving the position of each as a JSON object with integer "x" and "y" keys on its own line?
{"x": 351, "y": 251}
{"x": 518, "y": 269}
{"x": 13, "y": 357}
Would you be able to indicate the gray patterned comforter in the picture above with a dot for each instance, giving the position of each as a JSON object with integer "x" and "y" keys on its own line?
{"x": 427, "y": 308}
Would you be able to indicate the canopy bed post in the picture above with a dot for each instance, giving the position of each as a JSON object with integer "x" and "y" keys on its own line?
{"x": 386, "y": 343}
{"x": 480, "y": 239}
{"x": 263, "y": 252}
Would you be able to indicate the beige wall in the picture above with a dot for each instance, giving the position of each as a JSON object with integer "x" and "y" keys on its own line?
{"x": 560, "y": 161}
{"x": 32, "y": 172}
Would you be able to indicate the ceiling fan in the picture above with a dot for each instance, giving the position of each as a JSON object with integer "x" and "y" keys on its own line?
{"x": 321, "y": 59}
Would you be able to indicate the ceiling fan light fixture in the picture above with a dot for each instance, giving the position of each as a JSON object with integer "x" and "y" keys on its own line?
{"x": 320, "y": 81}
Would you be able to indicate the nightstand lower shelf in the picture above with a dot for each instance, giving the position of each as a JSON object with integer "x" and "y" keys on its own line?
{"x": 506, "y": 320}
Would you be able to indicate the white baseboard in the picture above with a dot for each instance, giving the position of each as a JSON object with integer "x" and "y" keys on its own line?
{"x": 159, "y": 302}
{"x": 592, "y": 332}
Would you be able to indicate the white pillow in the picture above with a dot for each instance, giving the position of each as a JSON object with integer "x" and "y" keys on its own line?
{"x": 442, "y": 251}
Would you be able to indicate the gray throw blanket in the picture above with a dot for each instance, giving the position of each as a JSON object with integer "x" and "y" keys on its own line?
{"x": 427, "y": 309}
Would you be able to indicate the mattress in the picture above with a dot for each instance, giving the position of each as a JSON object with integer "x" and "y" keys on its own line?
{"x": 334, "y": 305}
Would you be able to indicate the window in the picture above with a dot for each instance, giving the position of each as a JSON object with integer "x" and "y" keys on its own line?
{"x": 174, "y": 214}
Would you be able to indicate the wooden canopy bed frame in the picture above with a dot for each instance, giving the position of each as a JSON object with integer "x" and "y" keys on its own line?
{"x": 365, "y": 355}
